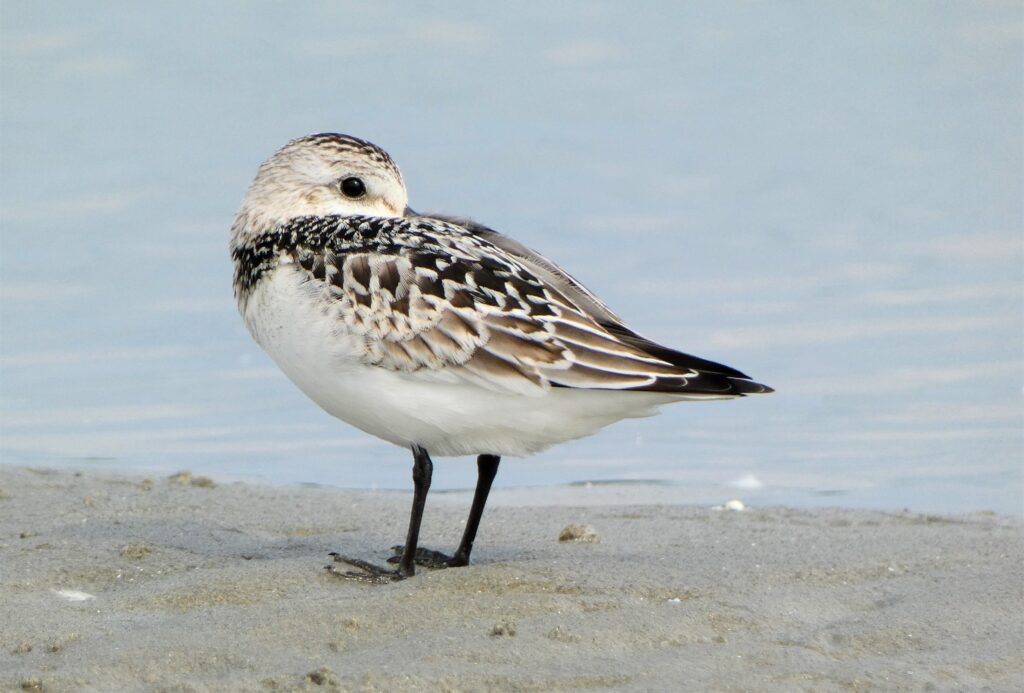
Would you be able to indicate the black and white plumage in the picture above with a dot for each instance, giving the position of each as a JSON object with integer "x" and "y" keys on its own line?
{"x": 432, "y": 332}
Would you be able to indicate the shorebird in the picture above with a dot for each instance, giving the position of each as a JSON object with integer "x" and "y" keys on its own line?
{"x": 432, "y": 332}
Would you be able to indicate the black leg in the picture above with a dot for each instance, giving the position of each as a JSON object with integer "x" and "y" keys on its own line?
{"x": 422, "y": 471}
{"x": 487, "y": 469}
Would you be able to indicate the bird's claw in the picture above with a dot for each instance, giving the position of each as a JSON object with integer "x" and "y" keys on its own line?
{"x": 367, "y": 572}
{"x": 428, "y": 558}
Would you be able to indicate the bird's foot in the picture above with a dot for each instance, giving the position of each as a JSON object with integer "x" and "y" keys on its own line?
{"x": 428, "y": 558}
{"x": 367, "y": 572}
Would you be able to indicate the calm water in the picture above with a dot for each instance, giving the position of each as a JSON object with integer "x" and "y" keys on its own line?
{"x": 828, "y": 199}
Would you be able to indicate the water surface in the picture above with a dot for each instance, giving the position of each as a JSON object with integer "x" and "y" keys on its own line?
{"x": 827, "y": 198}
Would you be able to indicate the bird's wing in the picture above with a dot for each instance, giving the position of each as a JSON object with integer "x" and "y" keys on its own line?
{"x": 445, "y": 317}
{"x": 585, "y": 299}
{"x": 543, "y": 268}
{"x": 432, "y": 299}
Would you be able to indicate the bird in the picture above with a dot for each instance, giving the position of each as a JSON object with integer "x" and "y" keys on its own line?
{"x": 434, "y": 332}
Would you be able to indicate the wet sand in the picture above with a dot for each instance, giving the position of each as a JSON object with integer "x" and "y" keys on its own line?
{"x": 114, "y": 582}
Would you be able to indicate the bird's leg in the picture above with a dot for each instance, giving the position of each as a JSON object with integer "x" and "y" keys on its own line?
{"x": 487, "y": 469}
{"x": 422, "y": 471}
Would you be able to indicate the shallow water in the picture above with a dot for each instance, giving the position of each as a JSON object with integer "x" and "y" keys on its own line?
{"x": 828, "y": 200}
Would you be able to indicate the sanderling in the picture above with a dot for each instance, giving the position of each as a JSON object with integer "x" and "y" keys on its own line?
{"x": 432, "y": 332}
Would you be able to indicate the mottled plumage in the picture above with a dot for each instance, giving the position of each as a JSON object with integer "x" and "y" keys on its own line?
{"x": 435, "y": 332}
{"x": 428, "y": 295}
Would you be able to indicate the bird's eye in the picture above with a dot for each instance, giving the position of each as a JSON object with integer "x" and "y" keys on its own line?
{"x": 353, "y": 187}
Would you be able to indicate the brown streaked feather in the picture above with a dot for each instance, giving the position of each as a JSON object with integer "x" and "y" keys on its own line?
{"x": 358, "y": 267}
{"x": 525, "y": 351}
{"x": 558, "y": 279}
{"x": 445, "y": 349}
{"x": 602, "y": 341}
{"x": 419, "y": 354}
{"x": 496, "y": 373}
{"x": 581, "y": 376}
{"x": 603, "y": 360}
{"x": 428, "y": 296}
{"x": 515, "y": 323}
{"x": 542, "y": 267}
{"x": 389, "y": 278}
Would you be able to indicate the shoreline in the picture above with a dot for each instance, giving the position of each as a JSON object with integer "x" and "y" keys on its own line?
{"x": 597, "y": 492}
{"x": 119, "y": 581}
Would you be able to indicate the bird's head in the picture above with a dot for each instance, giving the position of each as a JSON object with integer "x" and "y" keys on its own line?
{"x": 321, "y": 175}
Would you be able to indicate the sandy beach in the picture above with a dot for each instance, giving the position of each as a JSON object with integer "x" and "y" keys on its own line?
{"x": 114, "y": 582}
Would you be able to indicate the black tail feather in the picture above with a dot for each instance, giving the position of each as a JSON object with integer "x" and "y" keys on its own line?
{"x": 714, "y": 379}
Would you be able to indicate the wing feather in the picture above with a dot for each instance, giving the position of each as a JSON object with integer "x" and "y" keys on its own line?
{"x": 449, "y": 302}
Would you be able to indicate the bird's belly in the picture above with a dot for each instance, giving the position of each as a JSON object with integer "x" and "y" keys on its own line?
{"x": 313, "y": 349}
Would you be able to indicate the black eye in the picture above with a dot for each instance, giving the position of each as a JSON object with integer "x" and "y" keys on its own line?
{"x": 353, "y": 187}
